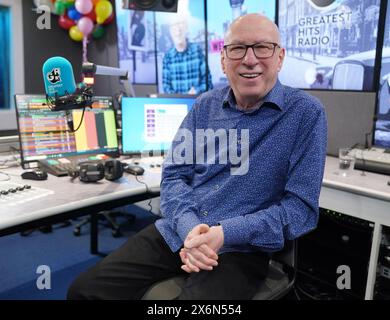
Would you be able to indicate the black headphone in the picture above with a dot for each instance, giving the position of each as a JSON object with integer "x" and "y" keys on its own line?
{"x": 95, "y": 171}
{"x": 113, "y": 169}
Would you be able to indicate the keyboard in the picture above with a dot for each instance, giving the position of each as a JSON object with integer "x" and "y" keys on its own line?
{"x": 61, "y": 166}
{"x": 375, "y": 160}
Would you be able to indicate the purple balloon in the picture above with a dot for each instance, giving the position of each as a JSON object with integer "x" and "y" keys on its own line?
{"x": 85, "y": 25}
{"x": 84, "y": 6}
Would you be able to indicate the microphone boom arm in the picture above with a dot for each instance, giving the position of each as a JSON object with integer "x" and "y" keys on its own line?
{"x": 92, "y": 69}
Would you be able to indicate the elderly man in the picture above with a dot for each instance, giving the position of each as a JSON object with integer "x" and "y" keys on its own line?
{"x": 221, "y": 218}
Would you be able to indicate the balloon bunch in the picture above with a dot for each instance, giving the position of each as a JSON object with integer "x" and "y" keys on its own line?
{"x": 82, "y": 18}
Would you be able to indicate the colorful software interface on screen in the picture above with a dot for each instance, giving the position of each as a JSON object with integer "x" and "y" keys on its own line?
{"x": 150, "y": 124}
{"x": 45, "y": 134}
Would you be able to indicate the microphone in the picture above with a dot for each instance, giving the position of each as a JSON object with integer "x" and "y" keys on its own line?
{"x": 58, "y": 77}
{"x": 92, "y": 69}
{"x": 62, "y": 94}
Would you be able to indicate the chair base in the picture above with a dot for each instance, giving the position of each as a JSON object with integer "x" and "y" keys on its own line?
{"x": 109, "y": 216}
{"x": 44, "y": 229}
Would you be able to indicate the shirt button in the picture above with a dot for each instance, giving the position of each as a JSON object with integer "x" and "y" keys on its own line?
{"x": 239, "y": 141}
{"x": 216, "y": 187}
{"x": 205, "y": 213}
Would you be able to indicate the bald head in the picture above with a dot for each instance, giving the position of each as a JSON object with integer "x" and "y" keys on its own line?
{"x": 253, "y": 72}
{"x": 249, "y": 21}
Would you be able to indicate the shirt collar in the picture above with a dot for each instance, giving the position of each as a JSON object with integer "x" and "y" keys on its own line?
{"x": 273, "y": 98}
{"x": 188, "y": 48}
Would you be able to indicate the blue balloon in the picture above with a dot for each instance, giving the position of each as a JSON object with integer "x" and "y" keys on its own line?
{"x": 74, "y": 14}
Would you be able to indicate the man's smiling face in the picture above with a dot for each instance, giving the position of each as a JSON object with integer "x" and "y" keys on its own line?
{"x": 252, "y": 78}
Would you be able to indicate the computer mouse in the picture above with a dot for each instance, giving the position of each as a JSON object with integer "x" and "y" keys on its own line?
{"x": 34, "y": 175}
{"x": 135, "y": 170}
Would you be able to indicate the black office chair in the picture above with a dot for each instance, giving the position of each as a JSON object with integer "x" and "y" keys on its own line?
{"x": 279, "y": 281}
{"x": 108, "y": 216}
{"x": 48, "y": 228}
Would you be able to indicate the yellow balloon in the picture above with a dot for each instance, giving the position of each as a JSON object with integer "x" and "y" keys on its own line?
{"x": 100, "y": 20}
{"x": 75, "y": 34}
{"x": 103, "y": 10}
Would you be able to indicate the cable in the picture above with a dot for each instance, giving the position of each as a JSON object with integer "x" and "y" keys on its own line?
{"x": 12, "y": 159}
{"x": 7, "y": 175}
{"x": 3, "y": 164}
{"x": 150, "y": 200}
{"x": 50, "y": 103}
{"x": 10, "y": 162}
{"x": 81, "y": 121}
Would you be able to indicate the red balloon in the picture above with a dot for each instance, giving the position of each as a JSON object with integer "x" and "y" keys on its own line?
{"x": 110, "y": 18}
{"x": 65, "y": 22}
{"x": 91, "y": 15}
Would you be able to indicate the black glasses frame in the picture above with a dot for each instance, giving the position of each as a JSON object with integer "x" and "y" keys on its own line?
{"x": 253, "y": 49}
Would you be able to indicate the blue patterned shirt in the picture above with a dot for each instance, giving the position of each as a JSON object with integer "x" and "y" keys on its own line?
{"x": 277, "y": 199}
{"x": 183, "y": 70}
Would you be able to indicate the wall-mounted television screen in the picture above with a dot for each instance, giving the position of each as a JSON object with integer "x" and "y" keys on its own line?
{"x": 330, "y": 45}
{"x": 181, "y": 41}
{"x": 136, "y": 44}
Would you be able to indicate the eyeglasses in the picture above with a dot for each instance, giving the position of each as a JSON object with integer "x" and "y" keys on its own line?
{"x": 261, "y": 50}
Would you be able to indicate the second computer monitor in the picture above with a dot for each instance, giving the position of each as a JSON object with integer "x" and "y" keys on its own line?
{"x": 150, "y": 124}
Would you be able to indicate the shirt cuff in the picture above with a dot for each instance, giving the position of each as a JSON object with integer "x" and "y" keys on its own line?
{"x": 186, "y": 223}
{"x": 235, "y": 231}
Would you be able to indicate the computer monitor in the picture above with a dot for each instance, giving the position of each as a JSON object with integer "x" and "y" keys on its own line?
{"x": 150, "y": 124}
{"x": 44, "y": 134}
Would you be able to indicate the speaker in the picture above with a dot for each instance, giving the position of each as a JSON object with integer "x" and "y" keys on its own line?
{"x": 151, "y": 5}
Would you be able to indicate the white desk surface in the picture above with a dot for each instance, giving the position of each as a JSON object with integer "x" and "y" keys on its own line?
{"x": 370, "y": 184}
{"x": 362, "y": 196}
{"x": 69, "y": 195}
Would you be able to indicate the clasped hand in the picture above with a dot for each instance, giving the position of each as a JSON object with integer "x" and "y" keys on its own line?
{"x": 201, "y": 247}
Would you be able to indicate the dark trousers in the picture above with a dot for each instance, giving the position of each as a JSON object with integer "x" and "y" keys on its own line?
{"x": 145, "y": 259}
